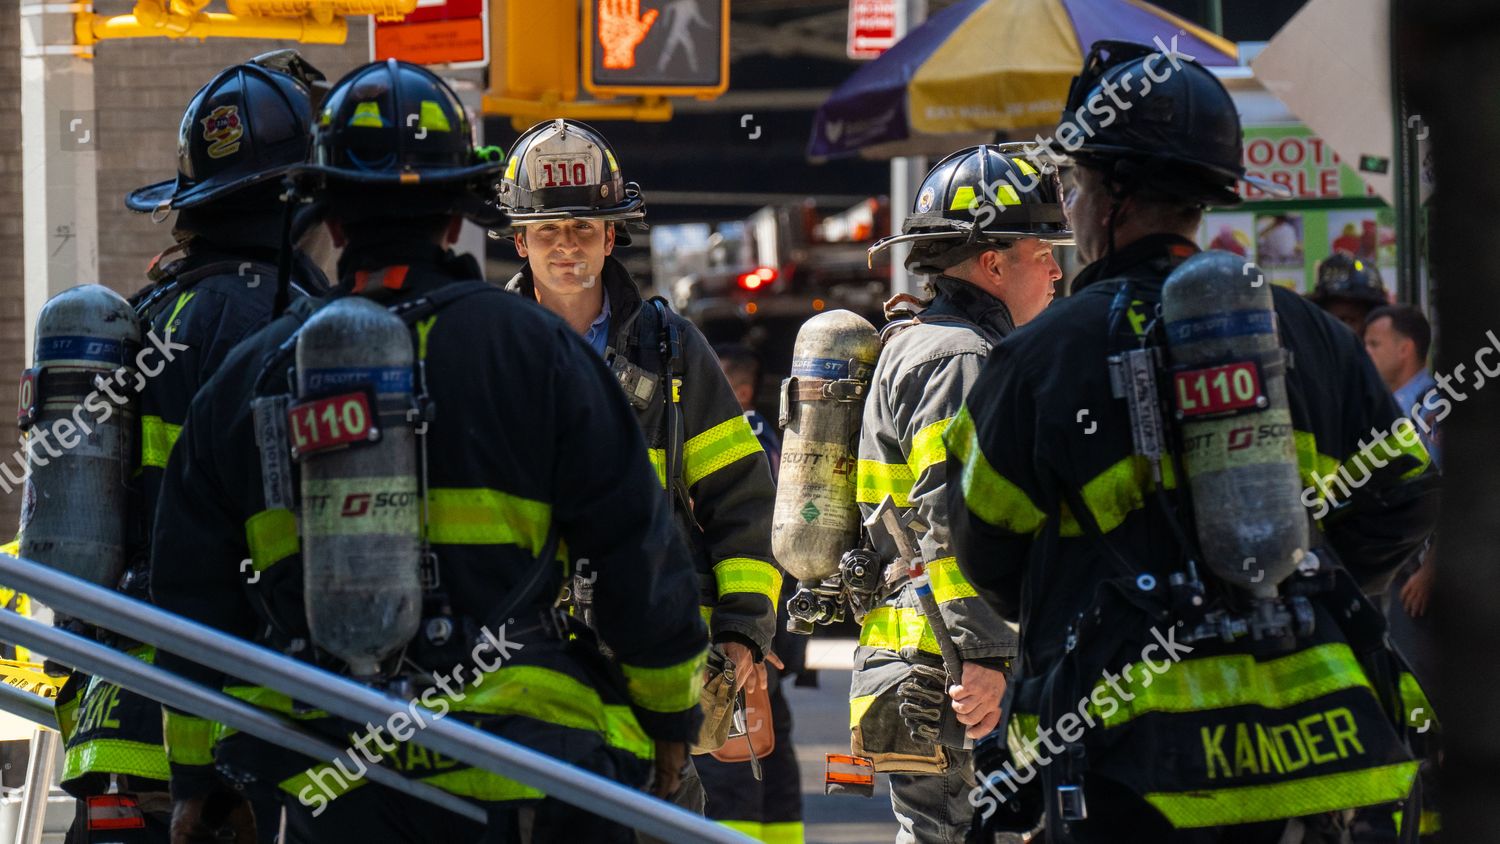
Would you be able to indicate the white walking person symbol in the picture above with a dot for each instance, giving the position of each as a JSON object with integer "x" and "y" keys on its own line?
{"x": 680, "y": 16}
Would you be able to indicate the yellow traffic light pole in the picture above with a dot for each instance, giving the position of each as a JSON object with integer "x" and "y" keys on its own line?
{"x": 303, "y": 21}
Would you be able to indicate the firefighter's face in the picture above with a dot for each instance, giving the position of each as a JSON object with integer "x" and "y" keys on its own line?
{"x": 1026, "y": 275}
{"x": 566, "y": 256}
{"x": 1086, "y": 202}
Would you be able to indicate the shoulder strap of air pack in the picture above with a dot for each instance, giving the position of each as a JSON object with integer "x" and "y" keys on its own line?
{"x": 170, "y": 283}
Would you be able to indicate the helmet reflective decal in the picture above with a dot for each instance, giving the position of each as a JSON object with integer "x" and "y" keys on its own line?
{"x": 433, "y": 118}
{"x": 1024, "y": 166}
{"x": 223, "y": 130}
{"x": 367, "y": 115}
{"x": 924, "y": 202}
{"x": 613, "y": 167}
{"x": 962, "y": 198}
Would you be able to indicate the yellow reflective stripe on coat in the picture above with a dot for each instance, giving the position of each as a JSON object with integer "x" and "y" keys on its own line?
{"x": 948, "y": 583}
{"x": 119, "y": 756}
{"x": 778, "y": 832}
{"x": 1430, "y": 824}
{"x": 1221, "y": 682}
{"x": 895, "y": 628}
{"x": 554, "y": 698}
{"x": 927, "y": 448}
{"x": 858, "y": 706}
{"x": 1419, "y": 712}
{"x": 659, "y": 463}
{"x": 875, "y": 480}
{"x": 273, "y": 700}
{"x": 742, "y": 574}
{"x": 1390, "y": 447}
{"x": 989, "y": 496}
{"x": 1289, "y": 799}
{"x": 189, "y": 739}
{"x": 1312, "y": 465}
{"x": 272, "y": 537}
{"x": 671, "y": 688}
{"x": 718, "y": 447}
{"x": 481, "y": 516}
{"x": 1118, "y": 491}
{"x": 157, "y": 439}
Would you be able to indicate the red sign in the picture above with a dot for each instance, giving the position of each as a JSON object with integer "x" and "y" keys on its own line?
{"x": 329, "y": 423}
{"x": 872, "y": 27}
{"x": 1218, "y": 389}
{"x": 454, "y": 33}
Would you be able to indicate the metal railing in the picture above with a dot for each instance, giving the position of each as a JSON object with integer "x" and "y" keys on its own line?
{"x": 314, "y": 686}
{"x": 34, "y": 708}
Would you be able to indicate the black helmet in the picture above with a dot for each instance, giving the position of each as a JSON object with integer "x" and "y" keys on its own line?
{"x": 396, "y": 126}
{"x": 248, "y": 125}
{"x": 980, "y": 198}
{"x": 1179, "y": 135}
{"x": 1343, "y": 276}
{"x": 561, "y": 169}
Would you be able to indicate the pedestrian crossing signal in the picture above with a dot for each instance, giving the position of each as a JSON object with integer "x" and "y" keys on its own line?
{"x": 656, "y": 48}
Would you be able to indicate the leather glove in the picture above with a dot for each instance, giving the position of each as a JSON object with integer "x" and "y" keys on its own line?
{"x": 922, "y": 695}
{"x": 222, "y": 816}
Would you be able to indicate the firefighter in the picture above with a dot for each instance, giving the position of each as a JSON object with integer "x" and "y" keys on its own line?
{"x": 570, "y": 204}
{"x": 1349, "y": 288}
{"x": 1062, "y": 525}
{"x": 525, "y": 446}
{"x": 215, "y": 286}
{"x": 990, "y": 268}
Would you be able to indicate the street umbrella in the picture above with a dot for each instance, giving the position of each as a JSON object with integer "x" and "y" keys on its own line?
{"x": 987, "y": 67}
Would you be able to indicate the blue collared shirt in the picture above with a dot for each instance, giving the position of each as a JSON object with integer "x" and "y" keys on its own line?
{"x": 598, "y": 333}
{"x": 1409, "y": 398}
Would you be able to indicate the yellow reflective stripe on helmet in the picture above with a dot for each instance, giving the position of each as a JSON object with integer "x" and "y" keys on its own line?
{"x": 780, "y": 832}
{"x": 989, "y": 496}
{"x": 554, "y": 698}
{"x": 119, "y": 756}
{"x": 742, "y": 574}
{"x": 1118, "y": 491}
{"x": 1289, "y": 799}
{"x": 659, "y": 463}
{"x": 875, "y": 480}
{"x": 927, "y": 448}
{"x": 432, "y": 117}
{"x": 963, "y": 197}
{"x": 858, "y": 706}
{"x": 718, "y": 447}
{"x": 157, "y": 439}
{"x": 189, "y": 739}
{"x": 367, "y": 114}
{"x": 895, "y": 628}
{"x": 948, "y": 583}
{"x": 272, "y": 537}
{"x": 1221, "y": 682}
{"x": 480, "y": 516}
{"x": 273, "y": 700}
{"x": 670, "y": 688}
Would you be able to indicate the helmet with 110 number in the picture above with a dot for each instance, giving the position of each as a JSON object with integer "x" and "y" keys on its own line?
{"x": 393, "y": 140}
{"x": 980, "y": 198}
{"x": 247, "y": 126}
{"x": 1178, "y": 136}
{"x": 1343, "y": 276}
{"x": 564, "y": 169}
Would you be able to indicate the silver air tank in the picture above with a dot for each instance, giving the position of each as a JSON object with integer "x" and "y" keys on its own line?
{"x": 361, "y": 524}
{"x": 80, "y": 448}
{"x": 1228, "y": 387}
{"x": 816, "y": 518}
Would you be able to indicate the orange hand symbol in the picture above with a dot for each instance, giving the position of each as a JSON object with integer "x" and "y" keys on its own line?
{"x": 621, "y": 30}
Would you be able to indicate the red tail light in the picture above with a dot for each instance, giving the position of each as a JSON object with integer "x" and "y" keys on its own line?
{"x": 757, "y": 278}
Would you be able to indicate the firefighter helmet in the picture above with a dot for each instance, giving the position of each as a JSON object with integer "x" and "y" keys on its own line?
{"x": 980, "y": 198}
{"x": 562, "y": 169}
{"x": 248, "y": 125}
{"x": 397, "y": 129}
{"x": 1343, "y": 276}
{"x": 1181, "y": 135}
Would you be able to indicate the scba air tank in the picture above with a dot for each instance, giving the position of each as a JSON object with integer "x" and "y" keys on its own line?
{"x": 361, "y": 502}
{"x": 816, "y": 518}
{"x": 1228, "y": 387}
